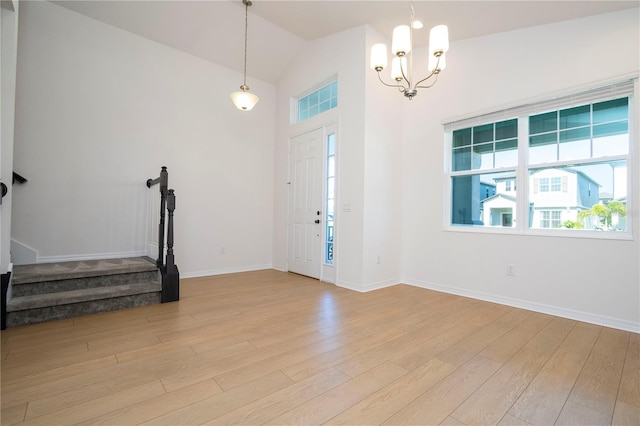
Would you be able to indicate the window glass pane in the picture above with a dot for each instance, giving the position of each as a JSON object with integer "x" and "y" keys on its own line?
{"x": 461, "y": 159}
{"x": 544, "y": 139}
{"x": 617, "y": 109}
{"x": 610, "y": 129}
{"x": 592, "y": 196}
{"x": 506, "y": 153}
{"x": 543, "y": 122}
{"x": 575, "y": 117}
{"x": 543, "y": 148}
{"x": 575, "y": 144}
{"x": 324, "y": 106}
{"x": 330, "y": 209}
{"x": 483, "y": 133}
{"x": 610, "y": 145}
{"x": 461, "y": 138}
{"x": 331, "y": 144}
{"x": 507, "y": 129}
{"x": 482, "y": 200}
{"x": 325, "y": 94}
{"x": 483, "y": 156}
{"x": 330, "y": 188}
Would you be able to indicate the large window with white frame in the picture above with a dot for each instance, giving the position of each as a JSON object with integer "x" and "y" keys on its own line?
{"x": 569, "y": 158}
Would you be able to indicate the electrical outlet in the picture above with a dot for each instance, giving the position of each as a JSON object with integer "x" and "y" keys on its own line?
{"x": 511, "y": 270}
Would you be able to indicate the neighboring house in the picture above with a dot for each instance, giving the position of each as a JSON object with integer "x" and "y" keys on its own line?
{"x": 558, "y": 195}
{"x": 499, "y": 209}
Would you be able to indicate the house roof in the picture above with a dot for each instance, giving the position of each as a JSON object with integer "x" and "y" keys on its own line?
{"x": 576, "y": 172}
{"x": 505, "y": 196}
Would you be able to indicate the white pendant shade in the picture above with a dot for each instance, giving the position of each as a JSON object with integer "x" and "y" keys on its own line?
{"x": 438, "y": 39}
{"x": 244, "y": 101}
{"x": 398, "y": 65}
{"x": 433, "y": 60}
{"x": 378, "y": 56}
{"x": 401, "y": 42}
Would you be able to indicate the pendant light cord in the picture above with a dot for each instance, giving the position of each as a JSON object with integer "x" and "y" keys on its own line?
{"x": 246, "y": 24}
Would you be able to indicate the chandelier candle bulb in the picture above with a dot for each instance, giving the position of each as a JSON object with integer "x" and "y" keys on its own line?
{"x": 401, "y": 42}
{"x": 378, "y": 57}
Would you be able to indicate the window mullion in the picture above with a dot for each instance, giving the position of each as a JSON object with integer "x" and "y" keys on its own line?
{"x": 522, "y": 175}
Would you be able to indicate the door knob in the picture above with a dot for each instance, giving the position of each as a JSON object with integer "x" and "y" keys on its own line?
{"x": 317, "y": 221}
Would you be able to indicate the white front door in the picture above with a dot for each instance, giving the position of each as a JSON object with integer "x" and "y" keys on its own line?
{"x": 305, "y": 204}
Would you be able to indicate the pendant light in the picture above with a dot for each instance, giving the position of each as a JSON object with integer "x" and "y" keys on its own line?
{"x": 245, "y": 100}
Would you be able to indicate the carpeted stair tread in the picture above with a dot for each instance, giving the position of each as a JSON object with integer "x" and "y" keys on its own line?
{"x": 83, "y": 295}
{"x": 24, "y": 274}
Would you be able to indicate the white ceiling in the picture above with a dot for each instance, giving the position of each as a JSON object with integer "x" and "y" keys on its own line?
{"x": 214, "y": 29}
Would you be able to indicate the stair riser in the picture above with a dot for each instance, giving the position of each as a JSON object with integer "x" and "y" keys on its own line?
{"x": 44, "y": 287}
{"x": 33, "y": 316}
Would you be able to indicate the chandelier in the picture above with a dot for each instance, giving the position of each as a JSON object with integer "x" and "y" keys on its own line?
{"x": 245, "y": 100}
{"x": 402, "y": 49}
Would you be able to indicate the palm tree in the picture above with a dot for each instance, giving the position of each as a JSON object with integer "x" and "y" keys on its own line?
{"x": 604, "y": 212}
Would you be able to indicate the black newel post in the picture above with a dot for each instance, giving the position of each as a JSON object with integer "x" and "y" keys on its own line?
{"x": 164, "y": 183}
{"x": 170, "y": 274}
{"x": 4, "y": 280}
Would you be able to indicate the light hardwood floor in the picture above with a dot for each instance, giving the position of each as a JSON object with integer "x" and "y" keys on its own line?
{"x": 275, "y": 348}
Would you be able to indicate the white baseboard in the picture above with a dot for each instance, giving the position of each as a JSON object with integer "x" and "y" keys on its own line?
{"x": 221, "y": 271}
{"x": 363, "y": 288}
{"x": 558, "y": 311}
{"x": 93, "y": 256}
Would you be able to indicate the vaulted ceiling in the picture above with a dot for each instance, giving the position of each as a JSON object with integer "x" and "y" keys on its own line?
{"x": 214, "y": 29}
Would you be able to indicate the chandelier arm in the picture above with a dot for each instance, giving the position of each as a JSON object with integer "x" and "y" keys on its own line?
{"x": 403, "y": 74}
{"x": 431, "y": 85}
{"x": 399, "y": 86}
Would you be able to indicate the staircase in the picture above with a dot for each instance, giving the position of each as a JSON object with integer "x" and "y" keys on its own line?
{"x": 50, "y": 291}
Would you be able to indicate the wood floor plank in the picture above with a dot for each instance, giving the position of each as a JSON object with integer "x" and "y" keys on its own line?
{"x": 437, "y": 403}
{"x": 543, "y": 399}
{"x": 508, "y": 345}
{"x": 284, "y": 400}
{"x": 315, "y": 365}
{"x": 159, "y": 405}
{"x": 578, "y": 415}
{"x": 598, "y": 382}
{"x": 83, "y": 411}
{"x": 326, "y": 406}
{"x": 208, "y": 409}
{"x": 14, "y": 414}
{"x": 491, "y": 401}
{"x": 470, "y": 346}
{"x": 626, "y": 414}
{"x": 629, "y": 391}
{"x": 390, "y": 399}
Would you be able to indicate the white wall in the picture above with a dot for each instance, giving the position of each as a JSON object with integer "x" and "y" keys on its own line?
{"x": 556, "y": 275}
{"x": 99, "y": 110}
{"x": 384, "y": 132}
{"x": 9, "y": 12}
